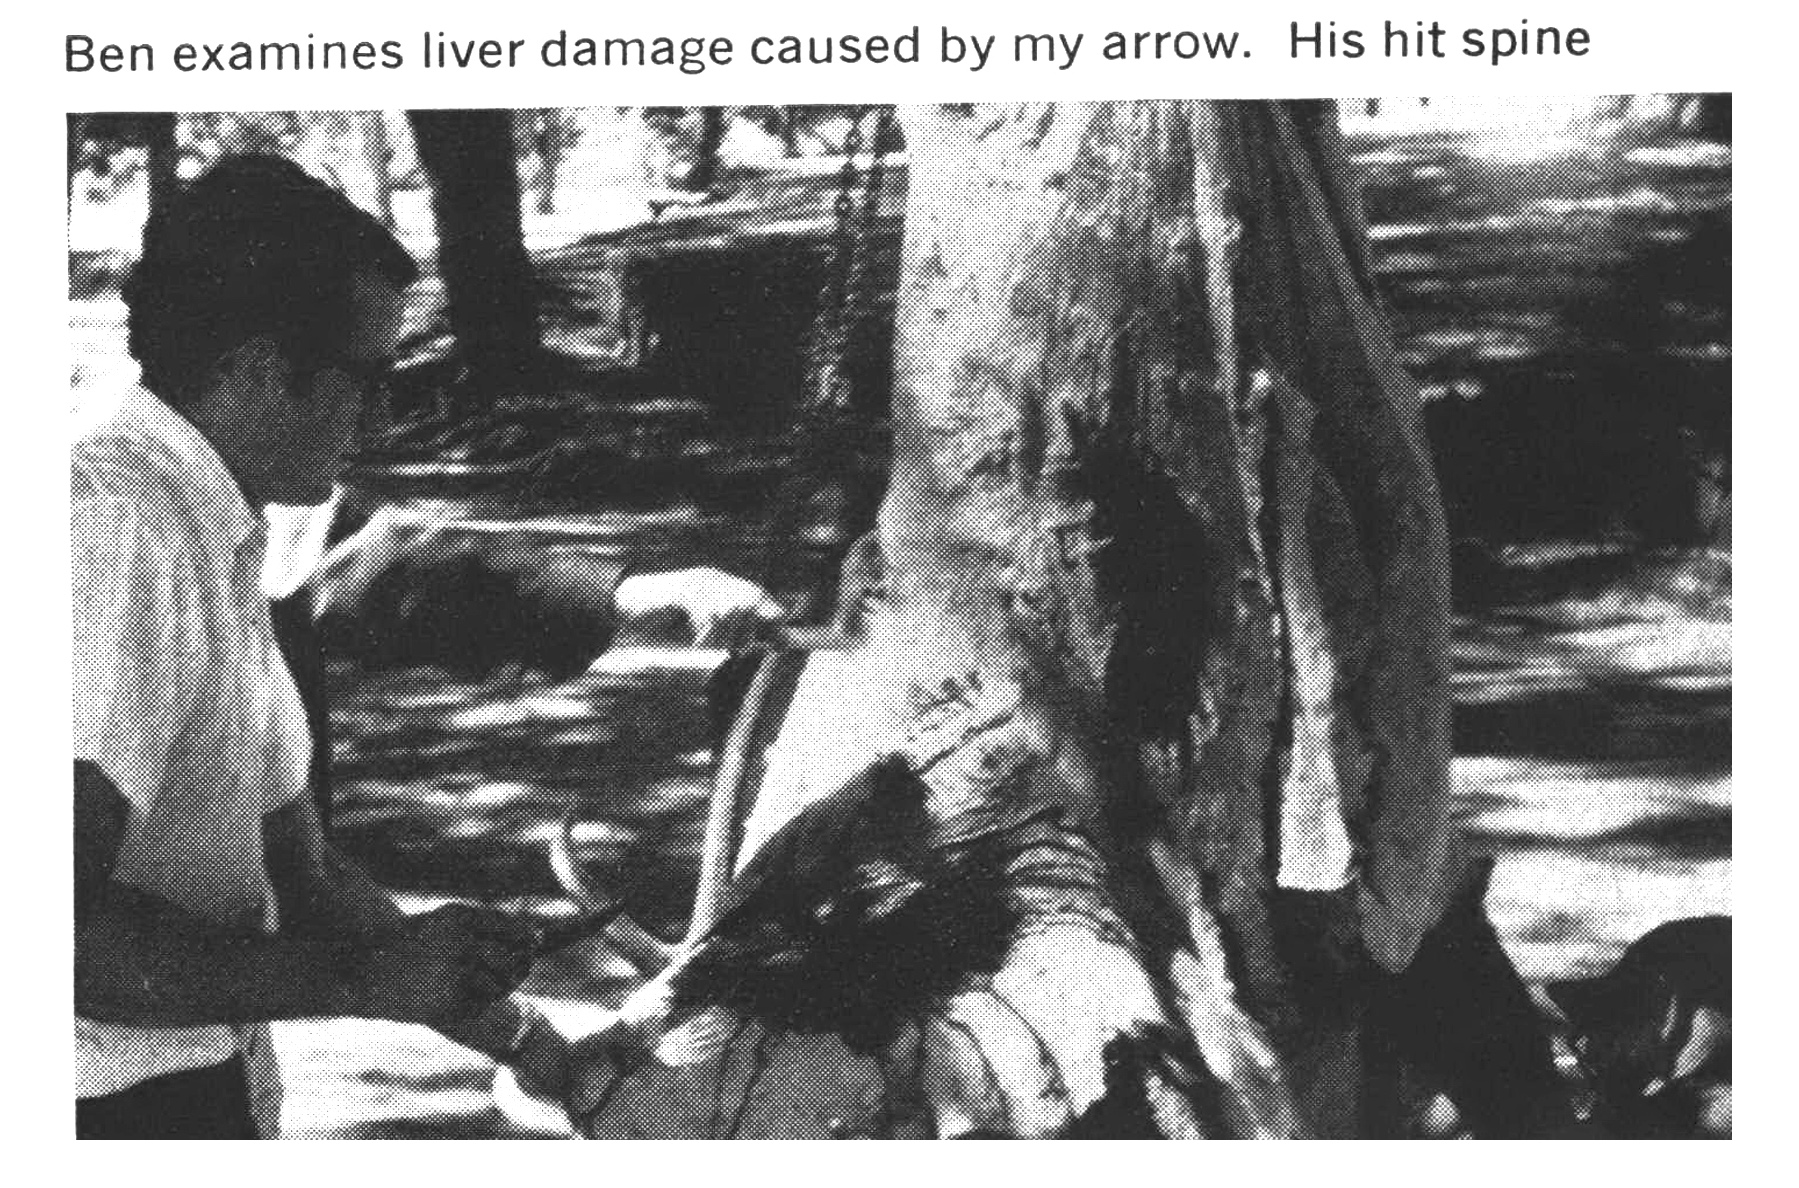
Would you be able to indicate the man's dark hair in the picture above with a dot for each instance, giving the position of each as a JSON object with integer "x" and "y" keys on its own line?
{"x": 256, "y": 246}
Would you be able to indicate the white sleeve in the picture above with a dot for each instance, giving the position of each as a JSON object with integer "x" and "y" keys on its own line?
{"x": 137, "y": 647}
{"x": 297, "y": 541}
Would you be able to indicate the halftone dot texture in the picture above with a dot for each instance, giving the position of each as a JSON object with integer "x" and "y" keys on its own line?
{"x": 182, "y": 701}
{"x": 1197, "y": 278}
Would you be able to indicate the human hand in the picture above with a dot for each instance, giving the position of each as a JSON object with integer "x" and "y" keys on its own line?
{"x": 722, "y": 609}
{"x": 641, "y": 1032}
{"x": 516, "y": 1034}
{"x": 592, "y": 1068}
{"x": 351, "y": 572}
{"x": 445, "y": 967}
{"x": 531, "y": 1083}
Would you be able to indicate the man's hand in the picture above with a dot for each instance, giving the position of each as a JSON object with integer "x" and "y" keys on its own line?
{"x": 723, "y": 610}
{"x": 445, "y": 967}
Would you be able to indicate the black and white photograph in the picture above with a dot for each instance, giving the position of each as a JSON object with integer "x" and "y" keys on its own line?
{"x": 1066, "y": 619}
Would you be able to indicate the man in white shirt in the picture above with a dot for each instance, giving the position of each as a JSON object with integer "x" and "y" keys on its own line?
{"x": 264, "y": 313}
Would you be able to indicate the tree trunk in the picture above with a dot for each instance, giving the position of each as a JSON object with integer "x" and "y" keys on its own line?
{"x": 77, "y": 133}
{"x": 379, "y": 149}
{"x": 546, "y": 193}
{"x": 704, "y": 174}
{"x": 162, "y": 156}
{"x": 790, "y": 133}
{"x": 549, "y": 135}
{"x": 473, "y": 165}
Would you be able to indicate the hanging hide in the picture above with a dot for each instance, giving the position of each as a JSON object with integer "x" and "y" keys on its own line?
{"x": 1106, "y": 310}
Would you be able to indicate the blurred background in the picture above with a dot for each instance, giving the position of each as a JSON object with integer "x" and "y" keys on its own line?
{"x": 624, "y": 367}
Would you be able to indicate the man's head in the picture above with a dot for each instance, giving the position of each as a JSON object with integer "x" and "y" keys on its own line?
{"x": 266, "y": 307}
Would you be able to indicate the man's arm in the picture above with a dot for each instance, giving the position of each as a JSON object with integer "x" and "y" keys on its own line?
{"x": 138, "y": 957}
{"x": 319, "y": 891}
{"x": 322, "y": 893}
{"x": 142, "y": 960}
{"x": 407, "y": 590}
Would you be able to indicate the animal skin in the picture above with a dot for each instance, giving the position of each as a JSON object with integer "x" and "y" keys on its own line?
{"x": 409, "y": 590}
{"x": 1654, "y": 1033}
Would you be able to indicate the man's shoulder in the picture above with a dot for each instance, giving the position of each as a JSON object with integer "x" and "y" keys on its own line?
{"x": 113, "y": 470}
{"x": 144, "y": 455}
{"x": 116, "y": 442}
{"x": 128, "y": 481}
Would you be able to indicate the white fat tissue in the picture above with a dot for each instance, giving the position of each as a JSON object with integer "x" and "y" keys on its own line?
{"x": 848, "y": 707}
